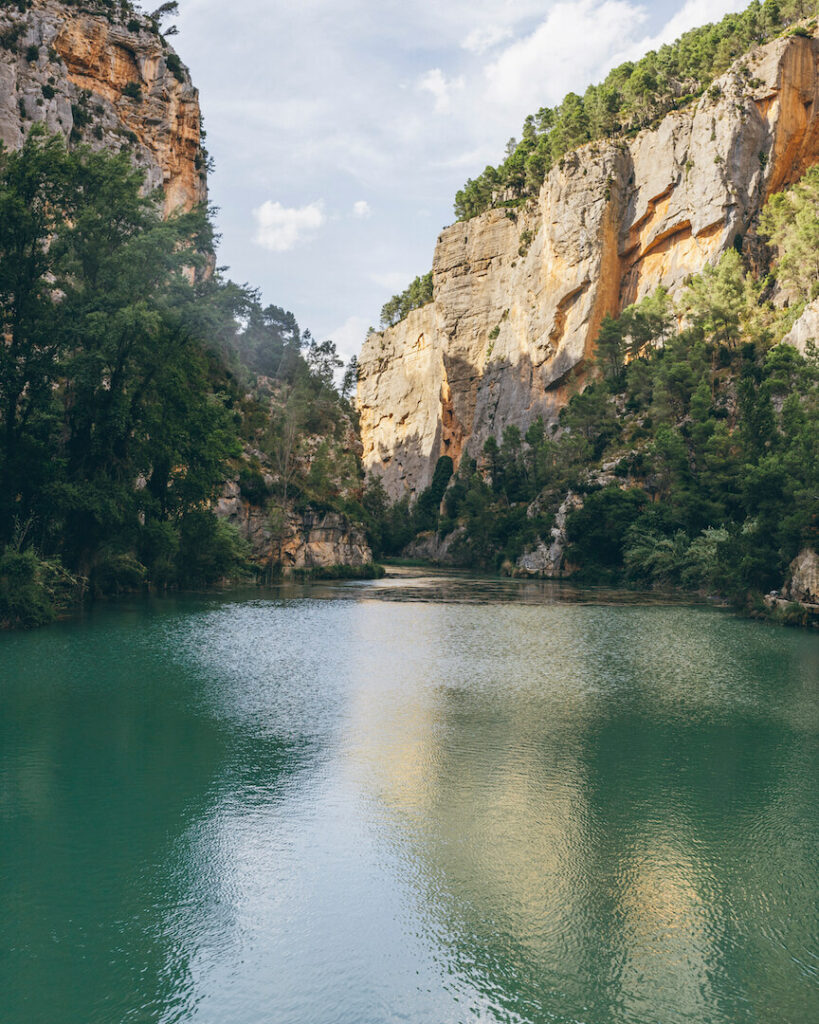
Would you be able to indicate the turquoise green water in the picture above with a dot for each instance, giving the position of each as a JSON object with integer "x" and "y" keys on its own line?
{"x": 403, "y": 802}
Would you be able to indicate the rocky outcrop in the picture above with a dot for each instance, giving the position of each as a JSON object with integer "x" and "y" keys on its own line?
{"x": 109, "y": 81}
{"x": 519, "y": 295}
{"x": 805, "y": 330}
{"x": 307, "y": 540}
{"x": 429, "y": 547}
{"x": 548, "y": 560}
{"x": 803, "y": 585}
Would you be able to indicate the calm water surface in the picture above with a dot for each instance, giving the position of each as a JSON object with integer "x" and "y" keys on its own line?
{"x": 436, "y": 802}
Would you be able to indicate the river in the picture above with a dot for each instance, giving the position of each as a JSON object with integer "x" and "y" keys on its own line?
{"x": 441, "y": 801}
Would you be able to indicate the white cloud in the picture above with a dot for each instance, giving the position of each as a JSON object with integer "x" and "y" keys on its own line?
{"x": 280, "y": 228}
{"x": 441, "y": 88}
{"x": 482, "y": 39}
{"x": 577, "y": 43}
{"x": 349, "y": 336}
{"x": 570, "y": 46}
{"x": 362, "y": 209}
{"x": 348, "y": 110}
{"x": 693, "y": 14}
{"x": 469, "y": 159}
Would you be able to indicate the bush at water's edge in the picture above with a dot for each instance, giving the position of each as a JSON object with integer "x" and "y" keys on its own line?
{"x": 34, "y": 591}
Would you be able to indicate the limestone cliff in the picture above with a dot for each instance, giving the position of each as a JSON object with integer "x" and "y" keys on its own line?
{"x": 111, "y": 82}
{"x": 304, "y": 540}
{"x": 519, "y": 295}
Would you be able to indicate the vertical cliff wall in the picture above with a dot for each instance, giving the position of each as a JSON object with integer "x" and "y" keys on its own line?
{"x": 519, "y": 297}
{"x": 111, "y": 82}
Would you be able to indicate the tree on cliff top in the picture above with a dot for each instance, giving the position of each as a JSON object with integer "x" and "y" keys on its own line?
{"x": 633, "y": 96}
{"x": 166, "y": 10}
{"x": 418, "y": 294}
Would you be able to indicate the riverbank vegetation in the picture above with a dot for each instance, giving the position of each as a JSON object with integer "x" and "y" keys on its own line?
{"x": 691, "y": 459}
{"x": 129, "y": 387}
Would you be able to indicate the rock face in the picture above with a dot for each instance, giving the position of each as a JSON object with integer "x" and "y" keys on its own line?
{"x": 519, "y": 296}
{"x": 804, "y": 578}
{"x": 548, "y": 561}
{"x": 429, "y": 547}
{"x": 307, "y": 541}
{"x": 71, "y": 69}
{"x": 805, "y": 330}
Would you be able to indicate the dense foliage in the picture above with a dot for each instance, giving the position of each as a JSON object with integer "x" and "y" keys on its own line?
{"x": 633, "y": 96}
{"x": 293, "y": 418}
{"x": 113, "y": 430}
{"x": 692, "y": 460}
{"x": 124, "y": 394}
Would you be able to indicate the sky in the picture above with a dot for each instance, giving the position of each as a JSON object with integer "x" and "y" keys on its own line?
{"x": 341, "y": 129}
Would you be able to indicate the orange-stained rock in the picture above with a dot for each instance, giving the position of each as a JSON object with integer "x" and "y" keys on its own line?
{"x": 518, "y": 302}
{"x": 77, "y": 87}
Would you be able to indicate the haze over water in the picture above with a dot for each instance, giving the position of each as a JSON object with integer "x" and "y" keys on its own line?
{"x": 431, "y": 802}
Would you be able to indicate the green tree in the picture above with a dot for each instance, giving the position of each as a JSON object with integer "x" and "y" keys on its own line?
{"x": 418, "y": 294}
{"x": 598, "y": 531}
{"x": 611, "y": 351}
{"x": 322, "y": 360}
{"x": 427, "y": 507}
{"x": 351, "y": 378}
{"x": 791, "y": 222}
{"x": 717, "y": 299}
{"x": 110, "y": 418}
{"x": 37, "y": 196}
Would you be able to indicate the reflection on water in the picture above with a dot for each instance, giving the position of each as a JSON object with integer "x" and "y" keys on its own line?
{"x": 439, "y": 587}
{"x": 438, "y": 800}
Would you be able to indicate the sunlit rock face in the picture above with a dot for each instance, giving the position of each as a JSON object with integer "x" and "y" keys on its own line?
{"x": 303, "y": 540}
{"x": 519, "y": 297}
{"x": 70, "y": 70}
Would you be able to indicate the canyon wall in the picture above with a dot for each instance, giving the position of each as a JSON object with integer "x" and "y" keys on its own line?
{"x": 110, "y": 82}
{"x": 519, "y": 296}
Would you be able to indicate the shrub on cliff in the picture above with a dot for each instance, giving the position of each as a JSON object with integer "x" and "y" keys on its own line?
{"x": 252, "y": 483}
{"x": 791, "y": 222}
{"x": 175, "y": 67}
{"x": 416, "y": 295}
